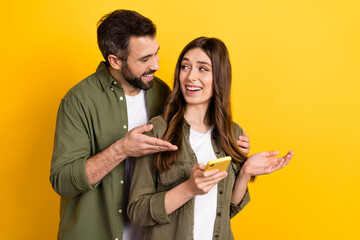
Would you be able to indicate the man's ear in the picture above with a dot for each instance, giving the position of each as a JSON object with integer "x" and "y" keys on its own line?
{"x": 114, "y": 61}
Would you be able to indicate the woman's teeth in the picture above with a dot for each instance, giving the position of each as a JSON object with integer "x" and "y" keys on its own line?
{"x": 193, "y": 88}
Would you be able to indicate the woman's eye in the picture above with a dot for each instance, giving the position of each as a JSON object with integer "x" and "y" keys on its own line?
{"x": 202, "y": 69}
{"x": 184, "y": 67}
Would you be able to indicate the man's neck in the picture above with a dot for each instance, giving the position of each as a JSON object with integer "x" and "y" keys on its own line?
{"x": 129, "y": 89}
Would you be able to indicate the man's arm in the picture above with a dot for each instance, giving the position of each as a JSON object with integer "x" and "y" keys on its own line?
{"x": 244, "y": 143}
{"x": 134, "y": 144}
{"x": 73, "y": 169}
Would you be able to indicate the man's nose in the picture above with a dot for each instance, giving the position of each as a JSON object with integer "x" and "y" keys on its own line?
{"x": 155, "y": 63}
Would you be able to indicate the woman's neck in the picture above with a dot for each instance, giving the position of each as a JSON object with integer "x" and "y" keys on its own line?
{"x": 198, "y": 118}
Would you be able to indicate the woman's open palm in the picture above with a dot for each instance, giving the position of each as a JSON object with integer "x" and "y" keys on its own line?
{"x": 266, "y": 162}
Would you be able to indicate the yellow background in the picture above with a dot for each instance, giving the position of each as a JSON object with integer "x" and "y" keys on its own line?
{"x": 296, "y": 74}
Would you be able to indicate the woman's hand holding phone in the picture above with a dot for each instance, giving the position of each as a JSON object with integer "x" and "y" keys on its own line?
{"x": 201, "y": 182}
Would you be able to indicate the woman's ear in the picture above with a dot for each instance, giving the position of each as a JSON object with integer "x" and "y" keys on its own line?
{"x": 114, "y": 61}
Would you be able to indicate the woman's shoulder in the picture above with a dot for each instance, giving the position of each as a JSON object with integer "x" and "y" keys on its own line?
{"x": 158, "y": 121}
{"x": 159, "y": 126}
{"x": 238, "y": 131}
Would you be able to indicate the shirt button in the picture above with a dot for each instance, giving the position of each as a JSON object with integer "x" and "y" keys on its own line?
{"x": 124, "y": 126}
{"x": 116, "y": 239}
{"x": 122, "y": 182}
{"x": 220, "y": 192}
{"x": 121, "y": 98}
{"x": 219, "y": 214}
{"x": 218, "y": 152}
{"x": 120, "y": 210}
{"x": 112, "y": 89}
{"x": 217, "y": 236}
{"x": 115, "y": 82}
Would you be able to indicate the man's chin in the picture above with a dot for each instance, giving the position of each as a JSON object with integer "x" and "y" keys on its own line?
{"x": 139, "y": 83}
{"x": 147, "y": 85}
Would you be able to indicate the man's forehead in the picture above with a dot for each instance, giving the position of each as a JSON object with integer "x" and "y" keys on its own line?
{"x": 142, "y": 46}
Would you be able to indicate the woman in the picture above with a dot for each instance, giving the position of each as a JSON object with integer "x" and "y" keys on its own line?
{"x": 170, "y": 193}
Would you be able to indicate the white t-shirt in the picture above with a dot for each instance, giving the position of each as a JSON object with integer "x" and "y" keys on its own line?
{"x": 205, "y": 205}
{"x": 138, "y": 115}
{"x": 137, "y": 111}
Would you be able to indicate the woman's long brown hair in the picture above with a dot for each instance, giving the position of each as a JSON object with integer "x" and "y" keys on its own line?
{"x": 219, "y": 107}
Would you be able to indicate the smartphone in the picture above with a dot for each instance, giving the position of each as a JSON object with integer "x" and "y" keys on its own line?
{"x": 220, "y": 163}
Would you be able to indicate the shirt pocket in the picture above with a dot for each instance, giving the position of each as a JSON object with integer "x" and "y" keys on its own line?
{"x": 172, "y": 176}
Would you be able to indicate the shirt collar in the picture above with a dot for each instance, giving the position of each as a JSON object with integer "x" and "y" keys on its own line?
{"x": 186, "y": 127}
{"x": 104, "y": 76}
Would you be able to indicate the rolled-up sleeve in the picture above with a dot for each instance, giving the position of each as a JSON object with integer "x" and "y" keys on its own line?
{"x": 71, "y": 150}
{"x": 235, "y": 209}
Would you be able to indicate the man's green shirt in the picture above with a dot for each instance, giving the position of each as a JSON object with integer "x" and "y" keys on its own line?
{"x": 91, "y": 117}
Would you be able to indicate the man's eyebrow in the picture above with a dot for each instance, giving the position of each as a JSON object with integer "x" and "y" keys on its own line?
{"x": 149, "y": 55}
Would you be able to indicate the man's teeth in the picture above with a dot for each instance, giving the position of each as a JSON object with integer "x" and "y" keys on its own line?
{"x": 149, "y": 75}
{"x": 193, "y": 88}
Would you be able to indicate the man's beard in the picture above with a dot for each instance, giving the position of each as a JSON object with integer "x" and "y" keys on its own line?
{"x": 135, "y": 81}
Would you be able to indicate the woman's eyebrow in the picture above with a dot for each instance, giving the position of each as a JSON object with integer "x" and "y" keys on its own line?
{"x": 201, "y": 62}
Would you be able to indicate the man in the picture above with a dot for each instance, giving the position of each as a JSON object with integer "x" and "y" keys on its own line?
{"x": 101, "y": 122}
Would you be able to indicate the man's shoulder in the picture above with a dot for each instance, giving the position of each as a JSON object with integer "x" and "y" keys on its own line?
{"x": 86, "y": 88}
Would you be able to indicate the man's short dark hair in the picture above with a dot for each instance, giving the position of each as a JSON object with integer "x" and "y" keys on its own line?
{"x": 115, "y": 29}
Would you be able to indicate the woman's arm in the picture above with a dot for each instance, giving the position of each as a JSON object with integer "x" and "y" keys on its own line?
{"x": 200, "y": 182}
{"x": 145, "y": 207}
{"x": 148, "y": 207}
{"x": 258, "y": 164}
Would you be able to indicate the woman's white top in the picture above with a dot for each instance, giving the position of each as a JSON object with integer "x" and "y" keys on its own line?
{"x": 205, "y": 205}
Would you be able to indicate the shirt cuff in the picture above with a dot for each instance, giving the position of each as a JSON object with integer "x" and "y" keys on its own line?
{"x": 157, "y": 208}
{"x": 79, "y": 177}
{"x": 235, "y": 209}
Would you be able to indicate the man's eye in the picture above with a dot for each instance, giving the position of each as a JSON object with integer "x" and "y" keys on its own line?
{"x": 144, "y": 60}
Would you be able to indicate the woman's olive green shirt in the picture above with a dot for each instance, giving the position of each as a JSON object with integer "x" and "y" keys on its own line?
{"x": 148, "y": 187}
